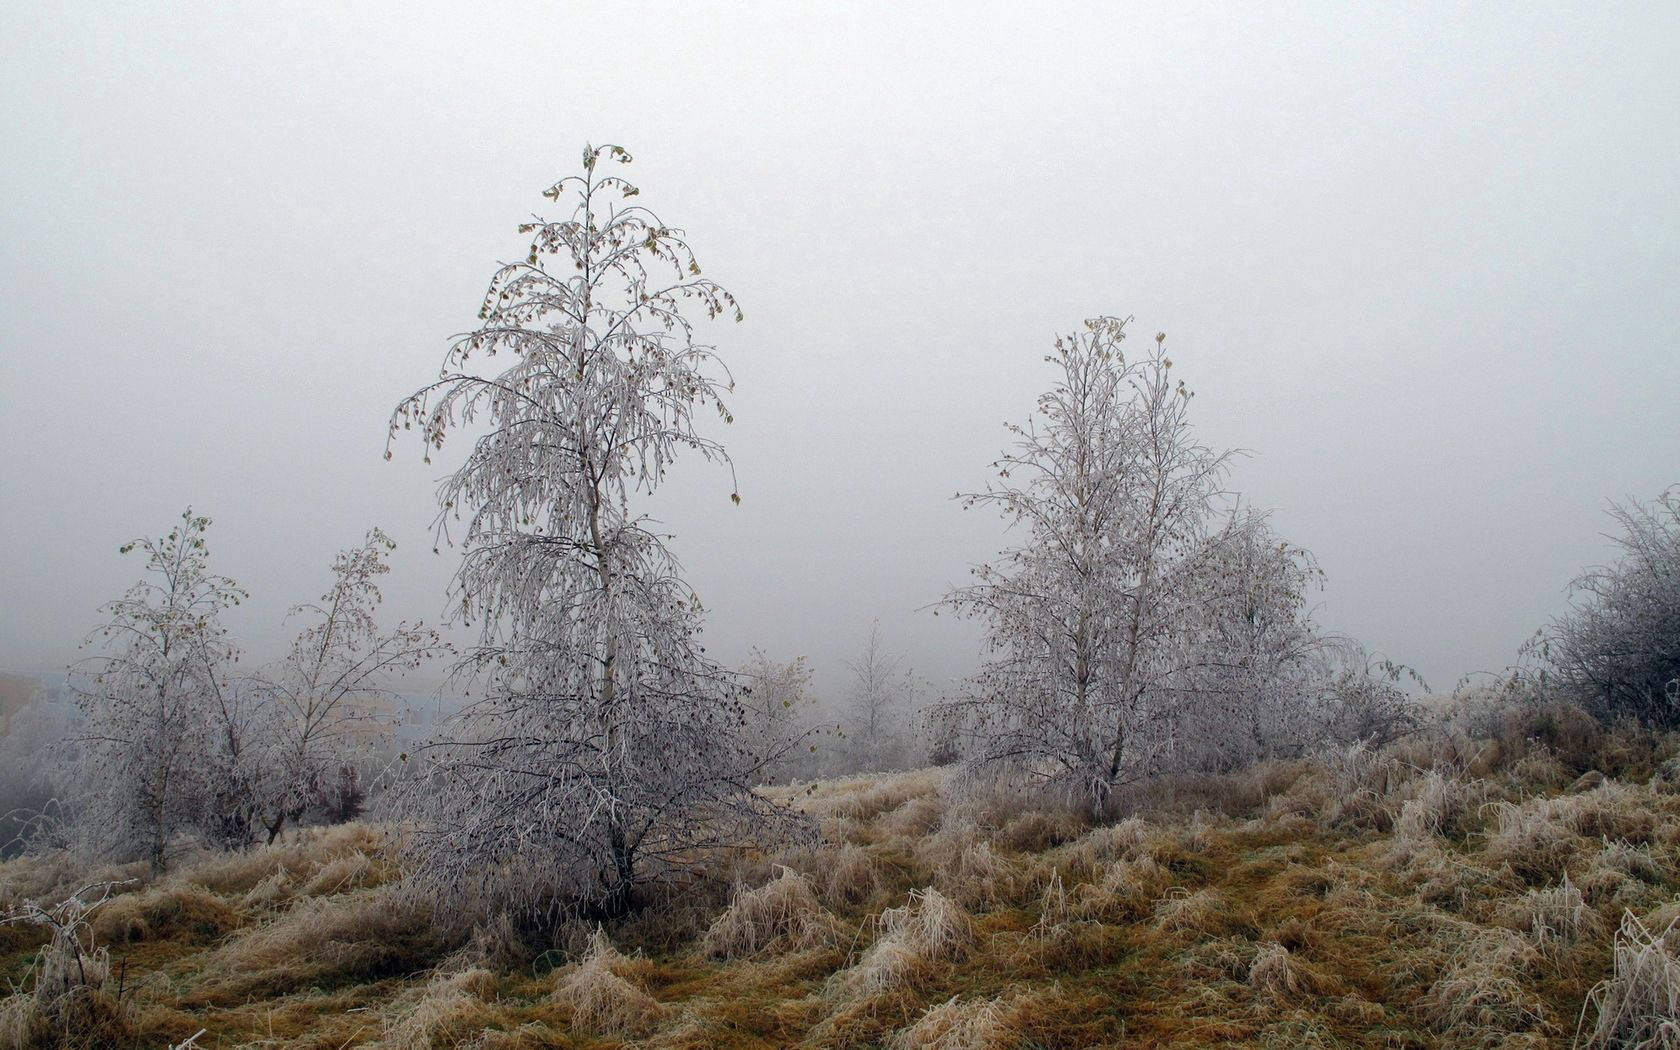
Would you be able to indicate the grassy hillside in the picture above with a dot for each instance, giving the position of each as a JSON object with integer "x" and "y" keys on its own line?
{"x": 1446, "y": 892}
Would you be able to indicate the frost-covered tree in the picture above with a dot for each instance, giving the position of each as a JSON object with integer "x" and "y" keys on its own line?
{"x": 1255, "y": 687}
{"x": 147, "y": 755}
{"x": 779, "y": 705}
{"x": 1096, "y": 621}
{"x": 1617, "y": 652}
{"x": 30, "y": 730}
{"x": 330, "y": 698}
{"x": 881, "y": 697}
{"x": 607, "y": 748}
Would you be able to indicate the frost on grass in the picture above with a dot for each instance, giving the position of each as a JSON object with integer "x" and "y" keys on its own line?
{"x": 1439, "y": 805}
{"x": 1482, "y": 996}
{"x": 851, "y": 875}
{"x": 978, "y": 1024}
{"x": 927, "y": 929}
{"x": 1181, "y": 911}
{"x": 367, "y": 934}
{"x": 1638, "y": 1005}
{"x": 1554, "y": 917}
{"x": 1105, "y": 845}
{"x": 1277, "y": 973}
{"x": 783, "y": 914}
{"x": 450, "y": 1008}
{"x": 601, "y": 999}
{"x": 1533, "y": 837}
{"x": 1053, "y": 909}
{"x": 1127, "y": 888}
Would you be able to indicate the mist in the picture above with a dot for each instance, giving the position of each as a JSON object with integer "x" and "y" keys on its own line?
{"x": 1420, "y": 264}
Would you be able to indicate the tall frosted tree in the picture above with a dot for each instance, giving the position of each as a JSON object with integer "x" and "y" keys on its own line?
{"x": 1093, "y": 626}
{"x": 158, "y": 713}
{"x": 606, "y": 749}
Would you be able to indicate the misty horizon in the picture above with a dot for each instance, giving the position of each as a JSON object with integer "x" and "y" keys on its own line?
{"x": 1421, "y": 268}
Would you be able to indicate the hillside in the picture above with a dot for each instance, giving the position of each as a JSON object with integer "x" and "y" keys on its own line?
{"x": 1445, "y": 892}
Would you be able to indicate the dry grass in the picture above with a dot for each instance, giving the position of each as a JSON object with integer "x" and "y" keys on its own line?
{"x": 1482, "y": 997}
{"x": 845, "y": 876}
{"x": 1277, "y": 973}
{"x": 912, "y": 939}
{"x": 1038, "y": 830}
{"x": 980, "y": 876}
{"x": 600, "y": 998}
{"x": 782, "y": 915}
{"x": 1554, "y": 917}
{"x": 1534, "y": 837}
{"x": 1183, "y": 911}
{"x": 1638, "y": 1005}
{"x": 170, "y": 909}
{"x": 954, "y": 1025}
{"x": 1100, "y": 847}
{"x": 450, "y": 1009}
{"x": 1438, "y": 804}
{"x": 359, "y": 936}
{"x": 1447, "y": 891}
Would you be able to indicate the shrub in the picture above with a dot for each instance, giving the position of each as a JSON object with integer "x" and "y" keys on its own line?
{"x": 69, "y": 1004}
{"x": 1617, "y": 652}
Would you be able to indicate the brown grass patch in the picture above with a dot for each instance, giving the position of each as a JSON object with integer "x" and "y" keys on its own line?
{"x": 361, "y": 936}
{"x": 1638, "y": 1005}
{"x": 978, "y": 1024}
{"x": 782, "y": 915}
{"x": 449, "y": 1010}
{"x": 600, "y": 998}
{"x": 912, "y": 938}
{"x": 173, "y": 909}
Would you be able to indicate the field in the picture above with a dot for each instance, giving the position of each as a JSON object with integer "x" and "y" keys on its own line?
{"x": 1446, "y": 891}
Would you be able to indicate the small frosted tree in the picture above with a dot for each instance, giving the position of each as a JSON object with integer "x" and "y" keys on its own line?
{"x": 607, "y": 748}
{"x": 147, "y": 755}
{"x": 1617, "y": 652}
{"x": 1255, "y": 686}
{"x": 778, "y": 705}
{"x": 330, "y": 698}
{"x": 1095, "y": 621}
{"x": 881, "y": 696}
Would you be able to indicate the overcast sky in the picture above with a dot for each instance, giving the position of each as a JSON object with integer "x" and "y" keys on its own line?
{"x": 1422, "y": 263}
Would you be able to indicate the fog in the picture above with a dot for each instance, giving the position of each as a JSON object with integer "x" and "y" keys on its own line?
{"x": 1421, "y": 264}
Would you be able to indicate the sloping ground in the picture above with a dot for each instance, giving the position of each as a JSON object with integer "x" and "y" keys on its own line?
{"x": 1440, "y": 895}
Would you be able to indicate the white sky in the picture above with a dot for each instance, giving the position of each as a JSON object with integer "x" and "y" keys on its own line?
{"x": 1422, "y": 262}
